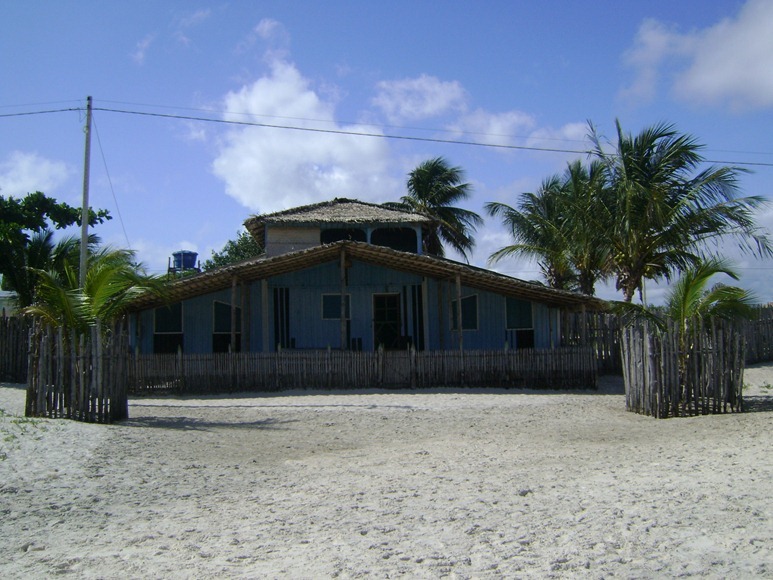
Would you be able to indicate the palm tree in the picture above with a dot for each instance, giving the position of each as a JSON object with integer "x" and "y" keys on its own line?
{"x": 538, "y": 228}
{"x": 562, "y": 225}
{"x": 433, "y": 189}
{"x": 664, "y": 208}
{"x": 689, "y": 298}
{"x": 688, "y": 305}
{"x": 41, "y": 253}
{"x": 113, "y": 280}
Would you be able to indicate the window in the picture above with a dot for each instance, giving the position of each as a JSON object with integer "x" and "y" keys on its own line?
{"x": 519, "y": 320}
{"x": 401, "y": 239}
{"x": 331, "y": 307}
{"x": 168, "y": 329}
{"x": 221, "y": 325}
{"x": 469, "y": 313}
{"x": 337, "y": 234}
{"x": 518, "y": 314}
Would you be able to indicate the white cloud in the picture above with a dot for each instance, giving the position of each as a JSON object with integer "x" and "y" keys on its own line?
{"x": 273, "y": 34}
{"x": 572, "y": 136}
{"x": 728, "y": 64}
{"x": 732, "y": 62}
{"x": 654, "y": 44}
{"x": 269, "y": 29}
{"x": 419, "y": 98}
{"x": 196, "y": 18}
{"x": 269, "y": 169}
{"x": 141, "y": 50}
{"x": 496, "y": 128}
{"x": 188, "y": 22}
{"x": 23, "y": 173}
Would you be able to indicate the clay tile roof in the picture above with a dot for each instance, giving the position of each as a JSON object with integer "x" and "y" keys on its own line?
{"x": 338, "y": 211}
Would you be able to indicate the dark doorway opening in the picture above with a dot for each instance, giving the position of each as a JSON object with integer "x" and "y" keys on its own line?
{"x": 386, "y": 321}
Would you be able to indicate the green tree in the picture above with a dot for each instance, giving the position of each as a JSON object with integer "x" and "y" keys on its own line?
{"x": 243, "y": 247}
{"x": 538, "y": 228}
{"x": 561, "y": 225}
{"x": 690, "y": 302}
{"x": 434, "y": 188}
{"x": 113, "y": 281}
{"x": 39, "y": 253}
{"x": 664, "y": 207}
{"x": 691, "y": 297}
{"x": 26, "y": 238}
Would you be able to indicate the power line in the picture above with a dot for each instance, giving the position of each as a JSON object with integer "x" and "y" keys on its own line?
{"x": 341, "y": 131}
{"x": 397, "y": 137}
{"x": 110, "y": 182}
{"x": 362, "y": 133}
{"x": 28, "y": 113}
{"x": 342, "y": 122}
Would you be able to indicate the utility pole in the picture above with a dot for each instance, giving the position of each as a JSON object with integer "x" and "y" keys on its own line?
{"x": 85, "y": 207}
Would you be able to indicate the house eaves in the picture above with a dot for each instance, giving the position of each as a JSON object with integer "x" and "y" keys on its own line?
{"x": 421, "y": 265}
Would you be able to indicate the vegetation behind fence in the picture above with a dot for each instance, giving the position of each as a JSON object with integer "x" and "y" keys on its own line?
{"x": 571, "y": 367}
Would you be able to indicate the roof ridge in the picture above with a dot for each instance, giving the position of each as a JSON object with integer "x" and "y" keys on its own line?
{"x": 326, "y": 203}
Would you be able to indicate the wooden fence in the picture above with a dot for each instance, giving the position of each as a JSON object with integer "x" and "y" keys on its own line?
{"x": 758, "y": 334}
{"x": 76, "y": 376}
{"x": 664, "y": 380}
{"x": 597, "y": 330}
{"x": 563, "y": 368}
{"x": 14, "y": 333}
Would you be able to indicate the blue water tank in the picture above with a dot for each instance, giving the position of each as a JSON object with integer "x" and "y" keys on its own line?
{"x": 184, "y": 260}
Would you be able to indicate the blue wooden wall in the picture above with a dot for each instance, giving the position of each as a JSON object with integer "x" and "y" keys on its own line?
{"x": 425, "y": 305}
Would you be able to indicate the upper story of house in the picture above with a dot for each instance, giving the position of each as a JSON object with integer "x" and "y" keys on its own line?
{"x": 313, "y": 225}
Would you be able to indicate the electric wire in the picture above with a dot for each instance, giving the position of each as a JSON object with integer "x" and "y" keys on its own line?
{"x": 340, "y": 131}
{"x": 28, "y": 113}
{"x": 366, "y": 134}
{"x": 110, "y": 181}
{"x": 343, "y": 122}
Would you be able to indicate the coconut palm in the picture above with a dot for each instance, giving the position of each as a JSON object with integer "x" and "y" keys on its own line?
{"x": 538, "y": 228}
{"x": 562, "y": 226}
{"x": 691, "y": 303}
{"x": 113, "y": 280}
{"x": 434, "y": 188}
{"x": 39, "y": 253}
{"x": 586, "y": 220}
{"x": 664, "y": 208}
{"x": 690, "y": 298}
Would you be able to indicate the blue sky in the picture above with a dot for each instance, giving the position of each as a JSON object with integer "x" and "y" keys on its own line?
{"x": 513, "y": 73}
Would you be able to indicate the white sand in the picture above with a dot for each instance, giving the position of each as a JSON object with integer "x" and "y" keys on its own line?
{"x": 458, "y": 484}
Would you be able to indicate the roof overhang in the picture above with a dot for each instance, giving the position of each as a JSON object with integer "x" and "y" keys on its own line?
{"x": 421, "y": 265}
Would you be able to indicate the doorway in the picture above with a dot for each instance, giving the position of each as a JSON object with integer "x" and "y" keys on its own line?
{"x": 386, "y": 321}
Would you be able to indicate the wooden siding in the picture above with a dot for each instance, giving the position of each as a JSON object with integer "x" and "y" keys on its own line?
{"x": 281, "y": 240}
{"x": 425, "y": 312}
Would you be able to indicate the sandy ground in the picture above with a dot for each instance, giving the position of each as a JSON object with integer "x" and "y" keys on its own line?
{"x": 445, "y": 484}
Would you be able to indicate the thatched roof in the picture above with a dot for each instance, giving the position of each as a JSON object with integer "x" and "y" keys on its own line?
{"x": 421, "y": 265}
{"x": 337, "y": 212}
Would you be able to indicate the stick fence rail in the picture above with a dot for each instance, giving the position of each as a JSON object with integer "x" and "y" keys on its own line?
{"x": 78, "y": 376}
{"x": 666, "y": 379}
{"x": 565, "y": 368}
{"x": 89, "y": 377}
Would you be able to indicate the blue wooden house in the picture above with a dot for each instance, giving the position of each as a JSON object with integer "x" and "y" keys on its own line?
{"x": 349, "y": 275}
